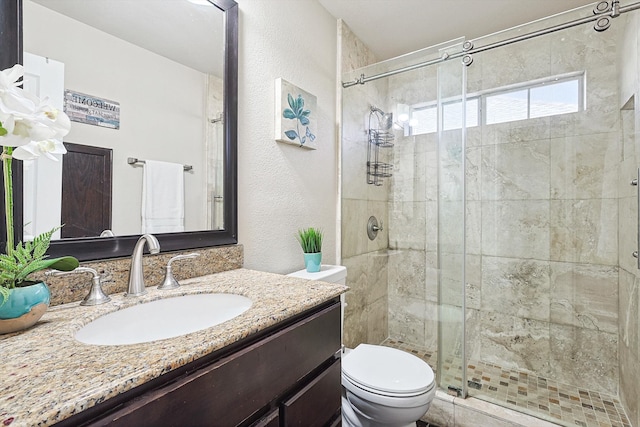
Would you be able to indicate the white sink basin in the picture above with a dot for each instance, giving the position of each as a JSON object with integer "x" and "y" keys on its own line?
{"x": 164, "y": 318}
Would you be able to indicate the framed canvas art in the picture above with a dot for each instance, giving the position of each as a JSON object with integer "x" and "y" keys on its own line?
{"x": 296, "y": 115}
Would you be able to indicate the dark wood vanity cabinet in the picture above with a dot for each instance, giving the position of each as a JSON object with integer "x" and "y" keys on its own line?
{"x": 290, "y": 376}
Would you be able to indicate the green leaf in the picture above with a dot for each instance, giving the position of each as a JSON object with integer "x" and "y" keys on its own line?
{"x": 310, "y": 240}
{"x": 299, "y": 105}
{"x": 67, "y": 263}
{"x": 4, "y": 295}
{"x": 292, "y": 103}
{"x": 291, "y": 134}
{"x": 288, "y": 114}
{"x": 3, "y": 131}
{"x": 27, "y": 258}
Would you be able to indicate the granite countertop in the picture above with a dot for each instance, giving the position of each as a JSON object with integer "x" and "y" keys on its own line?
{"x": 47, "y": 376}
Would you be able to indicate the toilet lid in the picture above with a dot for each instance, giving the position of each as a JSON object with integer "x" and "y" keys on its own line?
{"x": 387, "y": 370}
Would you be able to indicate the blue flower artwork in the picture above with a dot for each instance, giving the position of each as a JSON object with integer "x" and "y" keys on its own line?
{"x": 295, "y": 121}
{"x": 297, "y": 112}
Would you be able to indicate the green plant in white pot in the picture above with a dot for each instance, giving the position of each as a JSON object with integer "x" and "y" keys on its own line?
{"x": 29, "y": 128}
{"x": 311, "y": 242}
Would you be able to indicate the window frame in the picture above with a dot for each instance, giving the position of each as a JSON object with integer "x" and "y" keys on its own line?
{"x": 533, "y": 84}
{"x": 481, "y": 97}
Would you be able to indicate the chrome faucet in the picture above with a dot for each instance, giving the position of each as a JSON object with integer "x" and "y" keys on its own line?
{"x": 136, "y": 277}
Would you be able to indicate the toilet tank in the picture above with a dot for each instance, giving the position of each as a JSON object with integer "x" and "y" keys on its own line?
{"x": 328, "y": 273}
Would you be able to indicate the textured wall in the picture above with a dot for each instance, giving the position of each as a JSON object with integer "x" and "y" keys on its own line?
{"x": 283, "y": 187}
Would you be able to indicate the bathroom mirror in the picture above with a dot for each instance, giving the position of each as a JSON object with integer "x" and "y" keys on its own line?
{"x": 188, "y": 50}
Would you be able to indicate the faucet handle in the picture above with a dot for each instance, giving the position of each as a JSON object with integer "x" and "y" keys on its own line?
{"x": 96, "y": 295}
{"x": 169, "y": 281}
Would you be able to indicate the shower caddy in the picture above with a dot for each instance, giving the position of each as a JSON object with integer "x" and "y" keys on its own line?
{"x": 380, "y": 136}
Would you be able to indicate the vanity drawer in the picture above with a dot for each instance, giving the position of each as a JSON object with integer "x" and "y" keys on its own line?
{"x": 234, "y": 389}
{"x": 317, "y": 403}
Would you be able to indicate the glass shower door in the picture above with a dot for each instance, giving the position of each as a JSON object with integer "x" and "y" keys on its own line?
{"x": 452, "y": 113}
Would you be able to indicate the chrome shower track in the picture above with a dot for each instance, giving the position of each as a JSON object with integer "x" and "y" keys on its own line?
{"x": 602, "y": 13}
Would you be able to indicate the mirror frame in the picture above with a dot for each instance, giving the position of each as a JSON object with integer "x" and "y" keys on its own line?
{"x": 85, "y": 249}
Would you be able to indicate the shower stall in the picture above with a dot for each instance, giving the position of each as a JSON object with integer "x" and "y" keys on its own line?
{"x": 507, "y": 218}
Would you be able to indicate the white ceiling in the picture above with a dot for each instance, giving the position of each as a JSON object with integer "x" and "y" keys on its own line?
{"x": 394, "y": 27}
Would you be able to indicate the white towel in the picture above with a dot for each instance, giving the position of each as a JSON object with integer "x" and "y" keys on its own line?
{"x": 162, "y": 197}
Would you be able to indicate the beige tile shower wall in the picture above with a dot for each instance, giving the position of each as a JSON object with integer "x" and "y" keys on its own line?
{"x": 542, "y": 210}
{"x": 629, "y": 278}
{"x": 366, "y": 313}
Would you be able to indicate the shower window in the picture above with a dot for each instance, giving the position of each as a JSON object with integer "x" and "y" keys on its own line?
{"x": 552, "y": 99}
{"x": 507, "y": 107}
{"x": 530, "y": 100}
{"x": 540, "y": 98}
{"x": 452, "y": 114}
{"x": 424, "y": 118}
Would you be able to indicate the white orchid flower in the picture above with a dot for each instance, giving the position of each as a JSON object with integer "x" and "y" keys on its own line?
{"x": 41, "y": 126}
{"x": 13, "y": 99}
{"x": 10, "y": 76}
{"x": 29, "y": 128}
{"x": 17, "y": 133}
{"x": 33, "y": 150}
{"x": 30, "y": 123}
{"x": 54, "y": 118}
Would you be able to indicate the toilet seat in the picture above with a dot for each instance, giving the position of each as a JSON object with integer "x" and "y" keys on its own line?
{"x": 386, "y": 371}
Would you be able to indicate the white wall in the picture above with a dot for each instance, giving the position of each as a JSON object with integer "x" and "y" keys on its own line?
{"x": 171, "y": 100}
{"x": 283, "y": 187}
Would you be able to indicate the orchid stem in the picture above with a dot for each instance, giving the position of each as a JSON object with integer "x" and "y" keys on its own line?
{"x": 8, "y": 194}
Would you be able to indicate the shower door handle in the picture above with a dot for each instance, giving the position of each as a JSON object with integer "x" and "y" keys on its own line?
{"x": 635, "y": 182}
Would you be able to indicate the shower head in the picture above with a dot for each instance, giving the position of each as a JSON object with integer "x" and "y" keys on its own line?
{"x": 385, "y": 119}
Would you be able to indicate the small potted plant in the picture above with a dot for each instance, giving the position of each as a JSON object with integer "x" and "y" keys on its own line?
{"x": 29, "y": 128}
{"x": 311, "y": 242}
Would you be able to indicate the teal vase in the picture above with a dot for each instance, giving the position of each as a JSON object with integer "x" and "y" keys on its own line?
{"x": 312, "y": 262}
{"x": 24, "y": 307}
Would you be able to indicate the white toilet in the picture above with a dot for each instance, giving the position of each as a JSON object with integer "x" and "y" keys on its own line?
{"x": 381, "y": 386}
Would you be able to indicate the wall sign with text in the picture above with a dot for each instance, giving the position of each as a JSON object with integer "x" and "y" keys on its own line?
{"x": 91, "y": 110}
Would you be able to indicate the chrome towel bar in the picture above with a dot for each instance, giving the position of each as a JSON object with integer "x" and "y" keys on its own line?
{"x": 135, "y": 161}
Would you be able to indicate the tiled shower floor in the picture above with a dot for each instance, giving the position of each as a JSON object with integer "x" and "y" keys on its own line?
{"x": 541, "y": 397}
